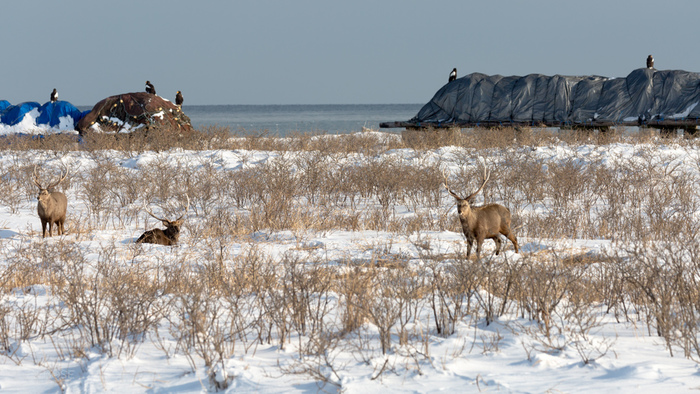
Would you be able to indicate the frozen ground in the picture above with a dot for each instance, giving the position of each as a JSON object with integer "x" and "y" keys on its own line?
{"x": 499, "y": 357}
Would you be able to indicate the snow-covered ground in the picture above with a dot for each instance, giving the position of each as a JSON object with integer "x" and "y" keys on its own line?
{"x": 507, "y": 355}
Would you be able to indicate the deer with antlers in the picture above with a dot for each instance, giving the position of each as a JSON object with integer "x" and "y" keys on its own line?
{"x": 167, "y": 237}
{"x": 52, "y": 206}
{"x": 479, "y": 223}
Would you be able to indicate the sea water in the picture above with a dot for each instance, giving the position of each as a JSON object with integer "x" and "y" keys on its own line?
{"x": 280, "y": 120}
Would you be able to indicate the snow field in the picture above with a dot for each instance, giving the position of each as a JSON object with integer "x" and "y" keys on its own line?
{"x": 308, "y": 270}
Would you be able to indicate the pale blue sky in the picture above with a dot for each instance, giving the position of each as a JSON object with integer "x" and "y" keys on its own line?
{"x": 325, "y": 52}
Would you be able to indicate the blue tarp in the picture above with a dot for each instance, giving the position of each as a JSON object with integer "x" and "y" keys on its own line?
{"x": 49, "y": 113}
{"x": 15, "y": 113}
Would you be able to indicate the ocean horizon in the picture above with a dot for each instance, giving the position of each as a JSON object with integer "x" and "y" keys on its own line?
{"x": 283, "y": 119}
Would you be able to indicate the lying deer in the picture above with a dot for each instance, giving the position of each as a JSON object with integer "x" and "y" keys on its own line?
{"x": 479, "y": 223}
{"x": 167, "y": 237}
{"x": 52, "y": 205}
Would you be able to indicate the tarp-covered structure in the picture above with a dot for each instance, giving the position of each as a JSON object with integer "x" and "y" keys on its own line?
{"x": 54, "y": 113}
{"x": 130, "y": 112}
{"x": 14, "y": 114}
{"x": 645, "y": 97}
{"x": 51, "y": 114}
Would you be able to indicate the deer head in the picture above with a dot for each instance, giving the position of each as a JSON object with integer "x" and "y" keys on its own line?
{"x": 44, "y": 191}
{"x": 465, "y": 202}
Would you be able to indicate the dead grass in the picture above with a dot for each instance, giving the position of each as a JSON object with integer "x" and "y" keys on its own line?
{"x": 250, "y": 297}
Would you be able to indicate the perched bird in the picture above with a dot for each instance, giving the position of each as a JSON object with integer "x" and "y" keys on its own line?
{"x": 54, "y": 95}
{"x": 650, "y": 61}
{"x": 150, "y": 88}
{"x": 453, "y": 75}
{"x": 178, "y": 98}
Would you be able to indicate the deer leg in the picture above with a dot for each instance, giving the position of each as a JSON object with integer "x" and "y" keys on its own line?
{"x": 514, "y": 240}
{"x": 43, "y": 228}
{"x": 470, "y": 241}
{"x": 479, "y": 244}
{"x": 59, "y": 224}
{"x": 497, "y": 240}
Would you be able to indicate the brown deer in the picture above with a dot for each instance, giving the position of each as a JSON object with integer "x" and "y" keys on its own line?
{"x": 167, "y": 237}
{"x": 479, "y": 223}
{"x": 52, "y": 205}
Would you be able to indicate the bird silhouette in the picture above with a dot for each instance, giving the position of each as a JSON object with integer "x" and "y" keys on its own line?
{"x": 150, "y": 88}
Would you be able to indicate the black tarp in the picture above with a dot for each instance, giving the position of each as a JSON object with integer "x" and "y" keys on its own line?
{"x": 645, "y": 95}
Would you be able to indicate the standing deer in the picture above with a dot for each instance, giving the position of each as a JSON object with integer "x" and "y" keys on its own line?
{"x": 479, "y": 223}
{"x": 167, "y": 237}
{"x": 52, "y": 205}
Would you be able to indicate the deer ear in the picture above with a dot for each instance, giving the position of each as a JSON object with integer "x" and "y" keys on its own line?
{"x": 166, "y": 223}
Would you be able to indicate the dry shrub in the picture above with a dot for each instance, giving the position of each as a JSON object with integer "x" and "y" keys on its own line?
{"x": 275, "y": 188}
{"x": 13, "y": 191}
{"x": 477, "y": 138}
{"x": 662, "y": 281}
{"x": 153, "y": 182}
{"x": 199, "y": 322}
{"x": 207, "y": 138}
{"x": 219, "y": 229}
{"x": 112, "y": 306}
{"x": 354, "y": 286}
{"x": 58, "y": 143}
{"x": 93, "y": 190}
{"x": 38, "y": 263}
{"x": 306, "y": 288}
{"x": 431, "y": 138}
{"x": 217, "y": 300}
{"x": 545, "y": 283}
{"x": 213, "y": 137}
{"x": 95, "y": 142}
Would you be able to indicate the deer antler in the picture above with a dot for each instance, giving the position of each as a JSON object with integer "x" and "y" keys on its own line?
{"x": 165, "y": 220}
{"x": 486, "y": 178}
{"x": 36, "y": 179}
{"x": 61, "y": 179}
{"x": 154, "y": 216}
{"x": 186, "y": 208}
{"x": 444, "y": 175}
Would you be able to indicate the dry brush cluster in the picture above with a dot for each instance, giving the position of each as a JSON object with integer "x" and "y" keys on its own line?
{"x": 209, "y": 303}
